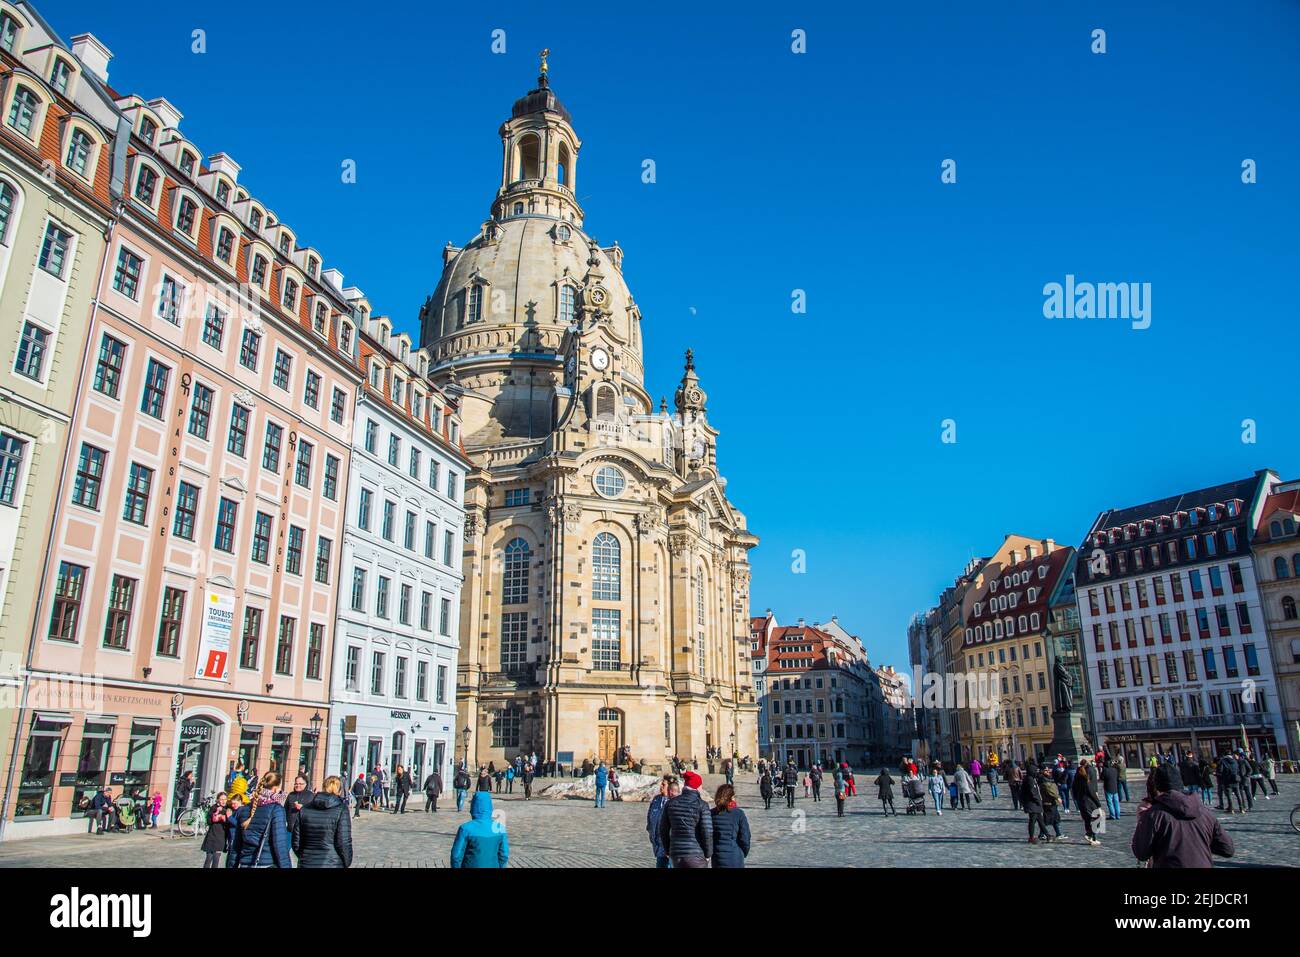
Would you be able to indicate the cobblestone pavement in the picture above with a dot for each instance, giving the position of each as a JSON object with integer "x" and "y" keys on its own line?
{"x": 570, "y": 833}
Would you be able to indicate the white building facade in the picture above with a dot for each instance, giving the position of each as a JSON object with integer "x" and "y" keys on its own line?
{"x": 393, "y": 678}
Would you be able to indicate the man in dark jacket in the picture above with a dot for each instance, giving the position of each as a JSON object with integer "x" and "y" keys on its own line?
{"x": 1189, "y": 771}
{"x": 432, "y": 788}
{"x": 1226, "y": 774}
{"x": 323, "y": 835}
{"x": 815, "y": 776}
{"x": 1110, "y": 787}
{"x": 295, "y": 801}
{"x": 1084, "y": 790}
{"x": 526, "y": 775}
{"x": 1176, "y": 829}
{"x": 401, "y": 786}
{"x": 686, "y": 828}
{"x": 98, "y": 811}
{"x": 1031, "y": 801}
{"x": 791, "y": 778}
{"x": 183, "y": 788}
{"x": 359, "y": 791}
{"x": 669, "y": 788}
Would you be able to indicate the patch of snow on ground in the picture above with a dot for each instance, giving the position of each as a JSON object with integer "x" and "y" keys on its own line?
{"x": 631, "y": 787}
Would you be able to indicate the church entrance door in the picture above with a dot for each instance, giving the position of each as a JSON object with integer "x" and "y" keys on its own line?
{"x": 607, "y": 728}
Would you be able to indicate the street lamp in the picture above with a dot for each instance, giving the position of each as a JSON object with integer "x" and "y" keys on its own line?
{"x": 733, "y": 746}
{"x": 316, "y": 722}
{"x": 465, "y": 733}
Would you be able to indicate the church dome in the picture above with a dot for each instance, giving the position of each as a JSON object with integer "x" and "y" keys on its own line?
{"x": 540, "y": 100}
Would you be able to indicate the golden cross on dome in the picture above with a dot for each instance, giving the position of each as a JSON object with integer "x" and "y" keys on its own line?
{"x": 544, "y": 54}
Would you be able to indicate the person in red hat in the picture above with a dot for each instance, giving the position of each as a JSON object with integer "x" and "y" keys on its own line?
{"x": 686, "y": 826}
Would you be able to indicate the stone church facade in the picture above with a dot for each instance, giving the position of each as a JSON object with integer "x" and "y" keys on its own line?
{"x": 607, "y": 596}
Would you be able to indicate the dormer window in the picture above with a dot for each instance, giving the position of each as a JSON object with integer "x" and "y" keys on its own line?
{"x": 1233, "y": 509}
{"x": 187, "y": 163}
{"x": 321, "y": 323}
{"x": 284, "y": 243}
{"x": 312, "y": 266}
{"x": 146, "y": 186}
{"x": 8, "y": 32}
{"x": 223, "y": 192}
{"x": 1213, "y": 513}
{"x": 148, "y": 130}
{"x": 225, "y": 244}
{"x": 60, "y": 75}
{"x": 474, "y": 306}
{"x": 80, "y": 146}
{"x": 257, "y": 275}
{"x": 186, "y": 211}
{"x": 22, "y": 111}
{"x": 567, "y": 298}
{"x": 255, "y": 219}
{"x": 290, "y": 298}
{"x": 1194, "y": 517}
{"x": 345, "y": 338}
{"x": 396, "y": 393}
{"x": 376, "y": 375}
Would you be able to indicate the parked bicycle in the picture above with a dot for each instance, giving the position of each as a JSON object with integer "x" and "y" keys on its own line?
{"x": 1295, "y": 817}
{"x": 193, "y": 821}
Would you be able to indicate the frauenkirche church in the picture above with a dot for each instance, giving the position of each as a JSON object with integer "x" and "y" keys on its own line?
{"x": 606, "y": 601}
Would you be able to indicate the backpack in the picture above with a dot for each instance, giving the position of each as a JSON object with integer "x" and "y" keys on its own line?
{"x": 1050, "y": 793}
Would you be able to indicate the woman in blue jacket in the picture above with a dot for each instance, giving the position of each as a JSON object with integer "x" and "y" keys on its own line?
{"x": 730, "y": 829}
{"x": 265, "y": 838}
{"x": 480, "y": 841}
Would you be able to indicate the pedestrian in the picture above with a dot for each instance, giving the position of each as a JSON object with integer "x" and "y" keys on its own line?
{"x": 1257, "y": 779}
{"x": 1205, "y": 780}
{"x": 669, "y": 787}
{"x": 324, "y": 834}
{"x": 992, "y": 770}
{"x": 510, "y": 779}
{"x": 1110, "y": 787}
{"x": 183, "y": 788}
{"x": 155, "y": 808}
{"x": 296, "y": 800}
{"x": 1015, "y": 781}
{"x": 729, "y": 771}
{"x": 1051, "y": 804}
{"x": 377, "y": 797}
{"x": 938, "y": 786}
{"x": 460, "y": 783}
{"x": 97, "y": 810}
{"x": 765, "y": 787}
{"x": 234, "y": 804}
{"x": 965, "y": 786}
{"x": 841, "y": 791}
{"x": 1244, "y": 798}
{"x": 1087, "y": 802}
{"x": 851, "y": 787}
{"x": 527, "y": 779}
{"x": 1031, "y": 801}
{"x": 432, "y": 788}
{"x": 1060, "y": 777}
{"x": 613, "y": 784}
{"x": 1175, "y": 829}
{"x": 1122, "y": 766}
{"x": 602, "y": 782}
{"x": 214, "y": 841}
{"x": 1270, "y": 773}
{"x": 730, "y": 829}
{"x": 885, "y": 791}
{"x": 385, "y": 784}
{"x": 484, "y": 781}
{"x": 265, "y": 838}
{"x": 402, "y": 786}
{"x": 976, "y": 770}
{"x": 815, "y": 776}
{"x": 359, "y": 792}
{"x": 685, "y": 827}
{"x": 481, "y": 841}
{"x": 790, "y": 776}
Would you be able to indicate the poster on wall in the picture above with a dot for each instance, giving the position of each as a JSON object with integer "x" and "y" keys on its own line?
{"x": 214, "y": 638}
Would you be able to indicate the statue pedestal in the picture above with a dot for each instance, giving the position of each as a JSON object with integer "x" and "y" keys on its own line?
{"x": 1067, "y": 736}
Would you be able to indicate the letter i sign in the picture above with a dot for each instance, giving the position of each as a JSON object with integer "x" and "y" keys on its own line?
{"x": 215, "y": 667}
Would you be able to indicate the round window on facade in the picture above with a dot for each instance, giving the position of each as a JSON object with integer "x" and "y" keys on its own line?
{"x": 609, "y": 481}
{"x": 563, "y": 233}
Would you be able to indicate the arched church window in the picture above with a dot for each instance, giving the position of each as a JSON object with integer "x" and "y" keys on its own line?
{"x": 606, "y": 575}
{"x": 699, "y": 596}
{"x": 514, "y": 573}
{"x": 605, "y": 402}
{"x": 1288, "y": 608}
{"x": 519, "y": 209}
{"x": 562, "y": 166}
{"x": 567, "y": 296}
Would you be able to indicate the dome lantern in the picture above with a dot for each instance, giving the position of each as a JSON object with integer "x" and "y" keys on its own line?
{"x": 539, "y": 156}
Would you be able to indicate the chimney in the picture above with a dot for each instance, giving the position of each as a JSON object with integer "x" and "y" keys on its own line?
{"x": 769, "y": 613}
{"x": 170, "y": 116}
{"x": 801, "y": 624}
{"x": 1029, "y": 551}
{"x": 1015, "y": 557}
{"x": 222, "y": 163}
{"x": 92, "y": 54}
{"x": 1049, "y": 546}
{"x": 333, "y": 277}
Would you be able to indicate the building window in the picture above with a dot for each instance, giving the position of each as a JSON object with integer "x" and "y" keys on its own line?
{"x": 187, "y": 506}
{"x": 80, "y": 147}
{"x": 22, "y": 111}
{"x": 399, "y": 677}
{"x": 126, "y": 277}
{"x": 138, "y": 485}
{"x": 311, "y": 390}
{"x": 394, "y": 449}
{"x": 148, "y": 129}
{"x": 33, "y": 346}
{"x": 377, "y": 673}
{"x": 8, "y": 32}
{"x": 146, "y": 185}
{"x": 609, "y": 481}
{"x": 338, "y": 406}
{"x": 262, "y": 538}
{"x": 90, "y": 476}
{"x": 605, "y": 646}
{"x": 363, "y": 509}
{"x": 224, "y": 540}
{"x": 169, "y": 623}
{"x": 372, "y": 435}
{"x": 121, "y": 599}
{"x": 12, "y": 450}
{"x": 315, "y": 646}
{"x": 200, "y": 411}
{"x": 257, "y": 275}
{"x": 514, "y": 590}
{"x": 67, "y": 602}
{"x": 426, "y": 611}
{"x": 324, "y": 548}
{"x": 271, "y": 447}
{"x": 237, "y": 439}
{"x": 352, "y": 669}
{"x": 293, "y": 551}
{"x": 358, "y": 589}
{"x": 444, "y": 616}
{"x": 283, "y": 367}
{"x": 381, "y": 597}
{"x": 421, "y": 681}
{"x": 249, "y": 346}
{"x": 7, "y": 195}
{"x": 290, "y": 298}
{"x": 155, "y": 389}
{"x": 330, "y": 485}
{"x": 284, "y": 647}
{"x": 606, "y": 568}
{"x": 386, "y": 528}
{"x": 302, "y": 471}
{"x": 214, "y": 327}
{"x": 474, "y": 311}
{"x": 514, "y": 641}
{"x": 252, "y": 638}
{"x": 54, "y": 250}
{"x": 566, "y": 304}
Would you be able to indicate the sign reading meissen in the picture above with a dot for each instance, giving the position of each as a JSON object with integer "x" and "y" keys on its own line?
{"x": 214, "y": 638}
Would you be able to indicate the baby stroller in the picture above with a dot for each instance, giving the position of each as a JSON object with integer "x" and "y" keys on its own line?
{"x": 914, "y": 793}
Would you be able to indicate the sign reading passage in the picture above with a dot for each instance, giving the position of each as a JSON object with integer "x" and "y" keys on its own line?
{"x": 214, "y": 639}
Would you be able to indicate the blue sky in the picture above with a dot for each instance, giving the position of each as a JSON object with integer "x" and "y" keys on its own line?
{"x": 821, "y": 172}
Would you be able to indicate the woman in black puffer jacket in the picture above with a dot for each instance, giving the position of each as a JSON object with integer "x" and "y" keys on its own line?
{"x": 730, "y": 830}
{"x": 323, "y": 837}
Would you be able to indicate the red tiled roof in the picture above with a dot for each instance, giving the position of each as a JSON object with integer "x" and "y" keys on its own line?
{"x": 1283, "y": 501}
